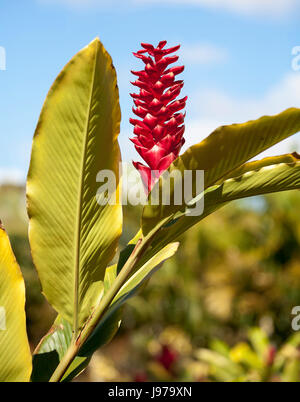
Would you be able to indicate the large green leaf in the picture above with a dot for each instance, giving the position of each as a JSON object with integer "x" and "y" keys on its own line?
{"x": 260, "y": 180}
{"x": 15, "y": 357}
{"x": 224, "y": 150}
{"x": 72, "y": 237}
{"x": 55, "y": 344}
{"x": 50, "y": 350}
{"x": 258, "y": 164}
{"x": 128, "y": 290}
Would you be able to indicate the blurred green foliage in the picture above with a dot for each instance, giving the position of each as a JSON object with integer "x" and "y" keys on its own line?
{"x": 220, "y": 310}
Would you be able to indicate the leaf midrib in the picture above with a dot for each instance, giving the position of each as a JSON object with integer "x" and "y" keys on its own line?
{"x": 79, "y": 209}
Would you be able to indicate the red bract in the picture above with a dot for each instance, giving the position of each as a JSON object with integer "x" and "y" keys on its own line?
{"x": 159, "y": 135}
{"x": 167, "y": 357}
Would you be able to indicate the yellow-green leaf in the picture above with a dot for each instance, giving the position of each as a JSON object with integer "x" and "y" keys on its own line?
{"x": 15, "y": 357}
{"x": 110, "y": 320}
{"x": 263, "y": 180}
{"x": 258, "y": 164}
{"x": 227, "y": 148}
{"x": 72, "y": 237}
{"x": 54, "y": 345}
{"x": 148, "y": 269}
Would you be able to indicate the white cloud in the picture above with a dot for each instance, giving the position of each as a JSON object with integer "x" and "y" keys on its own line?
{"x": 218, "y": 108}
{"x": 284, "y": 94}
{"x": 12, "y": 176}
{"x": 202, "y": 53}
{"x": 215, "y": 108}
{"x": 247, "y": 7}
{"x": 76, "y": 4}
{"x": 268, "y": 8}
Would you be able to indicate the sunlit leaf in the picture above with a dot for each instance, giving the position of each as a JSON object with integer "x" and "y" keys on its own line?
{"x": 72, "y": 237}
{"x": 55, "y": 344}
{"x": 15, "y": 357}
{"x": 129, "y": 289}
{"x": 267, "y": 179}
{"x": 50, "y": 350}
{"x": 224, "y": 150}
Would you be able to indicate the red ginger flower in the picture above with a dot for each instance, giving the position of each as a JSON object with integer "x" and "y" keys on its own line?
{"x": 159, "y": 135}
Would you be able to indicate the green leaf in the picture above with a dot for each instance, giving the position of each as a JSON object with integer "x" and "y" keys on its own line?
{"x": 291, "y": 371}
{"x": 260, "y": 341}
{"x": 267, "y": 179}
{"x": 50, "y": 350}
{"x": 147, "y": 270}
{"x": 72, "y": 237}
{"x": 55, "y": 344}
{"x": 227, "y": 148}
{"x": 221, "y": 366}
{"x": 258, "y": 164}
{"x": 15, "y": 361}
{"x": 243, "y": 354}
{"x": 135, "y": 282}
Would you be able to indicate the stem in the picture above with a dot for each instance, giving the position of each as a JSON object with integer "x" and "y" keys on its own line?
{"x": 65, "y": 363}
{"x": 97, "y": 315}
{"x": 141, "y": 246}
{"x": 112, "y": 292}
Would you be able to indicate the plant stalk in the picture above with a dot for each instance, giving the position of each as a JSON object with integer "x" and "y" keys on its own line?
{"x": 141, "y": 246}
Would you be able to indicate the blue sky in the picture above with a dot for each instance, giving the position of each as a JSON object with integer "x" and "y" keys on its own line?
{"x": 237, "y": 54}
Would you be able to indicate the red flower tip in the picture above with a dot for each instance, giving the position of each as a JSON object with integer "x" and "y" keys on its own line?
{"x": 140, "y": 377}
{"x": 167, "y": 357}
{"x": 159, "y": 135}
{"x": 271, "y": 354}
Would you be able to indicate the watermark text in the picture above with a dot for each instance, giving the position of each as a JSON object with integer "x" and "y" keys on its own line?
{"x": 296, "y": 319}
{"x": 175, "y": 187}
{"x": 2, "y": 319}
{"x": 2, "y": 58}
{"x": 296, "y": 58}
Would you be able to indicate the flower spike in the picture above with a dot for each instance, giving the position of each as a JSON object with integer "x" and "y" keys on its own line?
{"x": 159, "y": 135}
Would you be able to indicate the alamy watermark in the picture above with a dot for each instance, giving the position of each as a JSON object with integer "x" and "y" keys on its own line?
{"x": 176, "y": 188}
{"x": 2, "y": 319}
{"x": 2, "y": 58}
{"x": 296, "y": 58}
{"x": 296, "y": 319}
